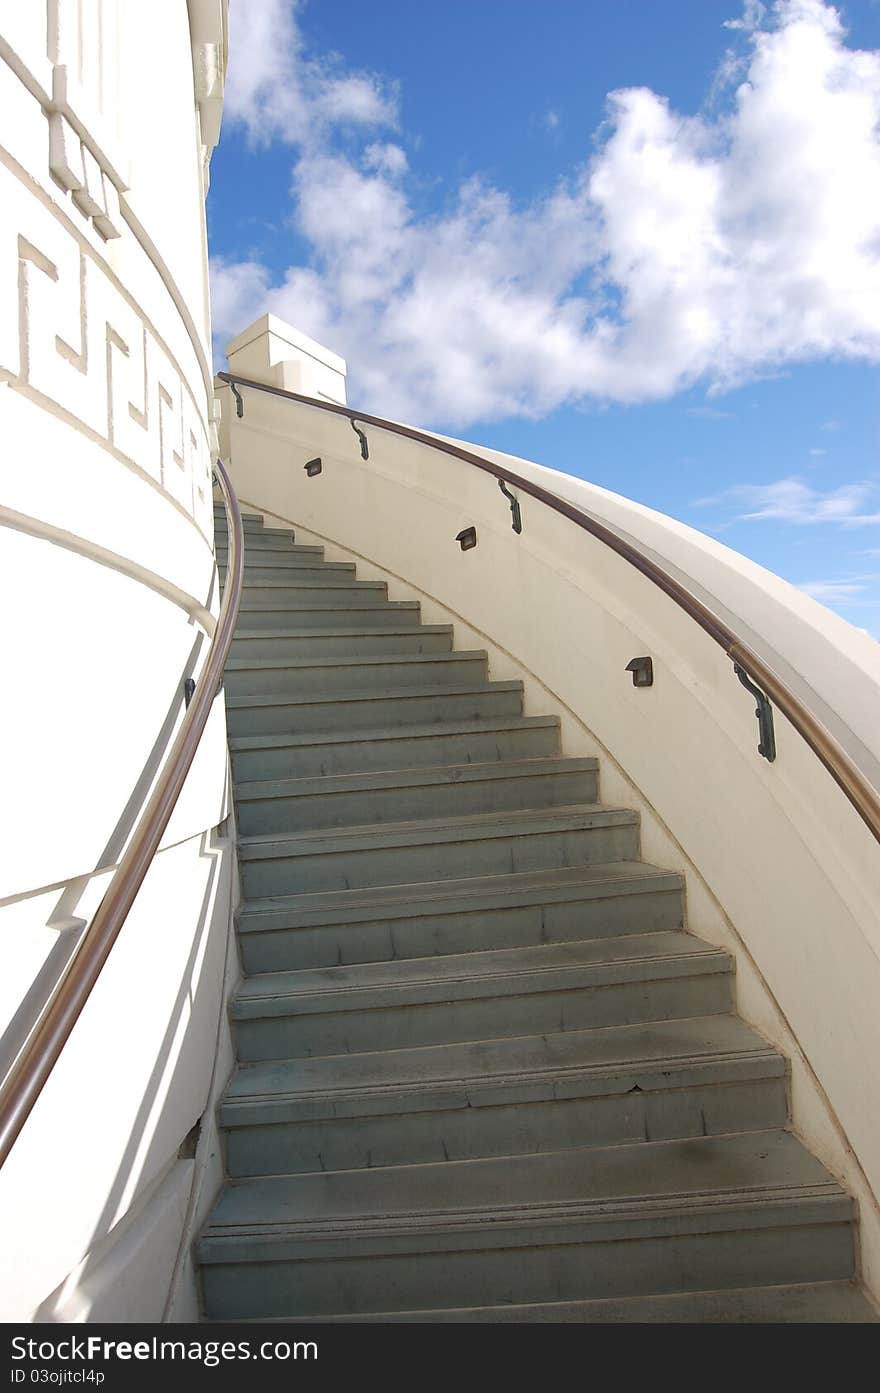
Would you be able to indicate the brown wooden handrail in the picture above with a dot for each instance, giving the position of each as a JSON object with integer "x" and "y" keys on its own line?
{"x": 34, "y": 1064}
{"x": 861, "y": 793}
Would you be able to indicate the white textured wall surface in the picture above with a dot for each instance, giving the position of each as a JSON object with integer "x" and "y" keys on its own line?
{"x": 780, "y": 869}
{"x": 109, "y": 602}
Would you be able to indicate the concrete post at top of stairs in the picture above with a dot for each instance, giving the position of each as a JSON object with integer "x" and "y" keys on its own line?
{"x": 271, "y": 351}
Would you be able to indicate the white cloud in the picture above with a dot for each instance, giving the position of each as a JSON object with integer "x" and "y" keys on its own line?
{"x": 832, "y": 591}
{"x": 550, "y": 120}
{"x": 791, "y": 500}
{"x": 277, "y": 92}
{"x": 387, "y": 159}
{"x": 687, "y": 250}
{"x": 752, "y": 17}
{"x": 237, "y": 287}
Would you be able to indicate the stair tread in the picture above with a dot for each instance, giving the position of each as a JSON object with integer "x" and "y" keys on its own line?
{"x": 374, "y": 694}
{"x": 429, "y": 830}
{"x": 797, "y": 1303}
{"x": 391, "y": 607}
{"x": 312, "y": 558}
{"x": 597, "y": 960}
{"x": 375, "y": 631}
{"x": 651, "y": 1054}
{"x": 420, "y": 777}
{"x": 407, "y": 900}
{"x": 358, "y": 660}
{"x": 288, "y": 532}
{"x": 602, "y": 1183}
{"x": 293, "y": 580}
{"x": 359, "y": 586}
{"x": 429, "y": 731}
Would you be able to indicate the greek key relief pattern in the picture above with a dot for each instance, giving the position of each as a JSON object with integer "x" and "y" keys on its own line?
{"x": 69, "y": 334}
{"x": 66, "y": 329}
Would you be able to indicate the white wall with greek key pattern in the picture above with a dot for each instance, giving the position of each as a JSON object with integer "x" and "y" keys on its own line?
{"x": 108, "y": 599}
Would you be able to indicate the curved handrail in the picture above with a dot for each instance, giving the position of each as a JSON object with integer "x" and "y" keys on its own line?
{"x": 861, "y": 793}
{"x": 34, "y": 1064}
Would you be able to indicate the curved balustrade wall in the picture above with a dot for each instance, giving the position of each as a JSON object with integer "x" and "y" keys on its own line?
{"x": 109, "y": 601}
{"x": 780, "y": 868}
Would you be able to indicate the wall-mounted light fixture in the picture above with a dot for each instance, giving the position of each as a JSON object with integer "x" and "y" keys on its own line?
{"x": 467, "y": 538}
{"x": 313, "y": 467}
{"x": 642, "y": 670}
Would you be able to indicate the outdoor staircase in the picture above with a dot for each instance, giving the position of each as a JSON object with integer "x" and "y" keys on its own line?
{"x": 485, "y": 1074}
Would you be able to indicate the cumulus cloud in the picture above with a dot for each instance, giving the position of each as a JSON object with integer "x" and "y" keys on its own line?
{"x": 236, "y": 287}
{"x": 688, "y": 249}
{"x": 276, "y": 91}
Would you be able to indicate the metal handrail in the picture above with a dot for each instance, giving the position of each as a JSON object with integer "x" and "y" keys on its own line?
{"x": 25, "y": 1081}
{"x": 861, "y": 793}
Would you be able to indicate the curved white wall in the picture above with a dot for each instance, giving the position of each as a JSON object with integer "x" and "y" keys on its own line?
{"x": 779, "y": 867}
{"x": 109, "y": 601}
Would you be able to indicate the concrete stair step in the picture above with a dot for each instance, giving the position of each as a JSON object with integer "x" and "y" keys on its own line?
{"x": 347, "y": 799}
{"x": 300, "y": 590}
{"x": 327, "y": 676}
{"x": 396, "y": 747}
{"x": 350, "y": 711}
{"x": 280, "y": 566}
{"x": 551, "y": 987}
{"x": 377, "y": 924}
{"x": 272, "y": 538}
{"x": 277, "y": 563}
{"x": 357, "y": 614}
{"x": 252, "y": 522}
{"x": 301, "y": 569}
{"x": 807, "y": 1303}
{"x": 753, "y": 1209}
{"x": 703, "y": 1076}
{"x": 298, "y": 578}
{"x": 432, "y": 849}
{"x": 377, "y": 640}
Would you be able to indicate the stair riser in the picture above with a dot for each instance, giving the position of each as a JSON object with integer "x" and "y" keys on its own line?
{"x": 275, "y": 948}
{"x": 407, "y": 752}
{"x": 519, "y": 1127}
{"x": 394, "y": 865}
{"x": 258, "y": 539}
{"x": 554, "y": 1008}
{"x": 307, "y": 580}
{"x": 269, "y": 551}
{"x": 254, "y": 621}
{"x": 352, "y": 677}
{"x": 338, "y": 593}
{"x": 250, "y": 525}
{"x": 404, "y": 804}
{"x": 257, "y": 570}
{"x": 418, "y": 640}
{"x": 548, "y": 1271}
{"x": 823, "y": 1303}
{"x": 281, "y": 718}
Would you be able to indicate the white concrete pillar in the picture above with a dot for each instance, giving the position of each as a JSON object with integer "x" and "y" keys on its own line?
{"x": 274, "y": 352}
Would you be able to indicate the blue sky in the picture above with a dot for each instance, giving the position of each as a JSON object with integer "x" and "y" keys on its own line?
{"x": 636, "y": 241}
